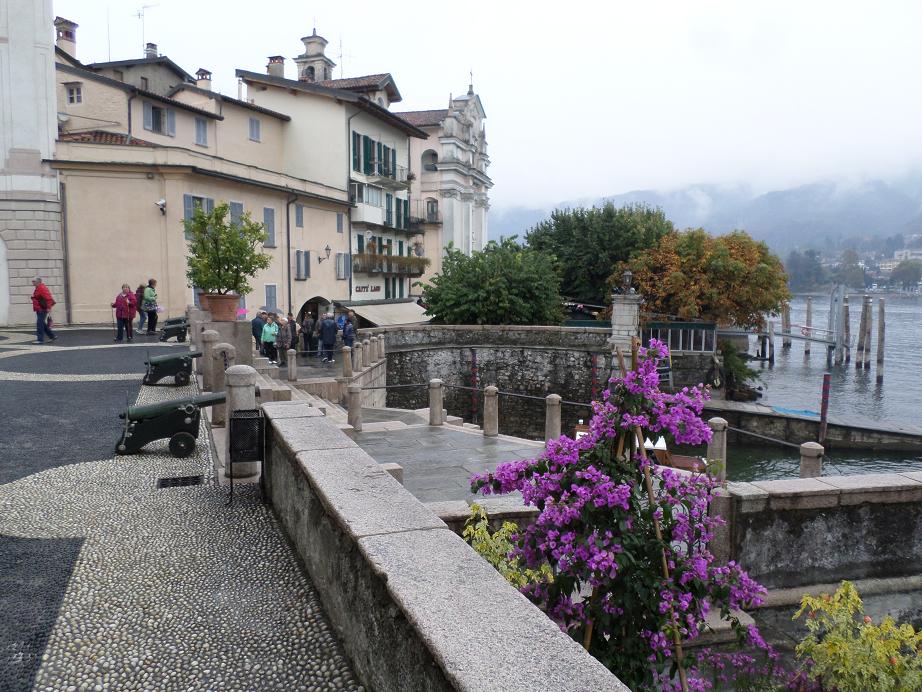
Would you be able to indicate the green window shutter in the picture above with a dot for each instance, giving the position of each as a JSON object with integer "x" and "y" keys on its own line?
{"x": 400, "y": 248}
{"x": 379, "y": 168}
{"x": 393, "y": 163}
{"x": 389, "y": 210}
{"x": 360, "y": 243}
{"x": 366, "y": 151}
{"x": 406, "y": 214}
{"x": 356, "y": 151}
{"x": 400, "y": 285}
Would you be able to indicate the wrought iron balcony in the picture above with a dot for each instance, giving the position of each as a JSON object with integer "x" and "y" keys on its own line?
{"x": 389, "y": 176}
{"x": 374, "y": 263}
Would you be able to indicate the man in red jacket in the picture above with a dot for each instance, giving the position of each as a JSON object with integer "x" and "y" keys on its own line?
{"x": 42, "y": 303}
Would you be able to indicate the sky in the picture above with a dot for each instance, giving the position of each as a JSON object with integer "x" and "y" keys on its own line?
{"x": 585, "y": 99}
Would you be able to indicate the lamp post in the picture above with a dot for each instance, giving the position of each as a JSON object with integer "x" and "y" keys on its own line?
{"x": 626, "y": 280}
{"x": 327, "y": 250}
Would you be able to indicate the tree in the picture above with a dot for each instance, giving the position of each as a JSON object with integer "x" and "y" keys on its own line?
{"x": 907, "y": 273}
{"x": 850, "y": 272}
{"x": 504, "y": 284}
{"x": 730, "y": 279}
{"x": 805, "y": 271}
{"x": 222, "y": 254}
{"x": 588, "y": 243}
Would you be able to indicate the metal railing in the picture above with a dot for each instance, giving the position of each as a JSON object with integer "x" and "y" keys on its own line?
{"x": 682, "y": 337}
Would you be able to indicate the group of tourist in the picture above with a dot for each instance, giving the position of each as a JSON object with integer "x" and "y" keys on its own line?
{"x": 142, "y": 302}
{"x": 275, "y": 334}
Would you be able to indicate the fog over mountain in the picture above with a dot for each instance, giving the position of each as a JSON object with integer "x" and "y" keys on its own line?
{"x": 813, "y": 215}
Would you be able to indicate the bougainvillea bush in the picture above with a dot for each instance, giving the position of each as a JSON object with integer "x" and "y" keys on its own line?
{"x": 597, "y": 529}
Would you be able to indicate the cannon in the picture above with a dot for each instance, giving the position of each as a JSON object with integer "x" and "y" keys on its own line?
{"x": 174, "y": 326}
{"x": 177, "y": 420}
{"x": 177, "y": 365}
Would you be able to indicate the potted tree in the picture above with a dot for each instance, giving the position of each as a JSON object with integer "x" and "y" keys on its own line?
{"x": 223, "y": 255}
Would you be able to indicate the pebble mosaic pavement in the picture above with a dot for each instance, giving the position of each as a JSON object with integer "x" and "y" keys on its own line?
{"x": 108, "y": 583}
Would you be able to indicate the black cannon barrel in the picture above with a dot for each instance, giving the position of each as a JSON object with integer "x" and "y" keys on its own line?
{"x": 174, "y": 320}
{"x": 154, "y": 410}
{"x": 167, "y": 357}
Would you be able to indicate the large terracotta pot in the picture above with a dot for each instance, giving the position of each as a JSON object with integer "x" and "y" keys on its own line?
{"x": 223, "y": 308}
{"x": 203, "y": 301}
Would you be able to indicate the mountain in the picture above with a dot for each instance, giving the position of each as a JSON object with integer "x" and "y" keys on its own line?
{"x": 813, "y": 215}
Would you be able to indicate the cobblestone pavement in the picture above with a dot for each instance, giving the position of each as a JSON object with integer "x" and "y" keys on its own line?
{"x": 439, "y": 462}
{"x": 109, "y": 583}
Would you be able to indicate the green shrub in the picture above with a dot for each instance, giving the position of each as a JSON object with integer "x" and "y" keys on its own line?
{"x": 495, "y": 548}
{"x": 847, "y": 651}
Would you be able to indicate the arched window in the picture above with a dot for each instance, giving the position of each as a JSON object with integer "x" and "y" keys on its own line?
{"x": 429, "y": 159}
{"x": 432, "y": 210}
{"x": 309, "y": 73}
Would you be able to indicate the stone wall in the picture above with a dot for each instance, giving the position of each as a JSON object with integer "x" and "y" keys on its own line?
{"x": 415, "y": 607}
{"x": 792, "y": 533}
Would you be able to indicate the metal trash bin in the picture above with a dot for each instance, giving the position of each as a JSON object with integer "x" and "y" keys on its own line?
{"x": 246, "y": 435}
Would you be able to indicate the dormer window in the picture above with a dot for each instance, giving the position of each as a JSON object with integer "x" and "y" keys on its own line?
{"x": 74, "y": 92}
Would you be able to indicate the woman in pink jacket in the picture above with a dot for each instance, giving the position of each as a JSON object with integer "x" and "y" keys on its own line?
{"x": 126, "y": 305}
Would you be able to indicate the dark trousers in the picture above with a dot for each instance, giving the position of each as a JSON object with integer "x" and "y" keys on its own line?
{"x": 124, "y": 327}
{"x": 310, "y": 344}
{"x": 41, "y": 326}
{"x": 327, "y": 351}
{"x": 270, "y": 351}
{"x": 151, "y": 321}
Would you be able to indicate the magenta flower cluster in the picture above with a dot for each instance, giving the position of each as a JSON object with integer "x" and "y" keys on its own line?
{"x": 595, "y": 528}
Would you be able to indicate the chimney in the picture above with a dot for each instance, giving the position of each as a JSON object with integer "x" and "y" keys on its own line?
{"x": 276, "y": 66}
{"x": 150, "y": 50}
{"x": 203, "y": 79}
{"x": 66, "y": 32}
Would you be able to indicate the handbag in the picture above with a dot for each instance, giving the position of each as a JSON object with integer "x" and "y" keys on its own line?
{"x": 148, "y": 306}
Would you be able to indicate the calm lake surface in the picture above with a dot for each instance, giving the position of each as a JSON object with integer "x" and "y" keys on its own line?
{"x": 795, "y": 381}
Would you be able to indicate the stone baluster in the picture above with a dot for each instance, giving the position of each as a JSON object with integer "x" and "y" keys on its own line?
{"x": 435, "y": 402}
{"x": 240, "y": 388}
{"x": 359, "y": 358}
{"x": 717, "y": 448}
{"x": 223, "y": 356}
{"x": 292, "y": 356}
{"x": 366, "y": 353}
{"x": 490, "y": 411}
{"x": 811, "y": 460}
{"x": 354, "y": 404}
{"x": 209, "y": 339}
{"x": 346, "y": 356}
{"x": 552, "y": 417}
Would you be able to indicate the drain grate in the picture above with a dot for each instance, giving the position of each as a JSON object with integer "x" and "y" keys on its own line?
{"x": 179, "y": 481}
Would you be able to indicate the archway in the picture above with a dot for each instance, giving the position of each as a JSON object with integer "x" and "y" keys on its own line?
{"x": 314, "y": 306}
{"x": 429, "y": 159}
{"x": 4, "y": 286}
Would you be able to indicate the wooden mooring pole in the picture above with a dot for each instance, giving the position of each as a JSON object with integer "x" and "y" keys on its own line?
{"x": 771, "y": 342}
{"x": 881, "y": 328}
{"x": 786, "y": 326}
{"x": 824, "y": 406}
{"x": 862, "y": 324}
{"x": 867, "y": 337}
{"x": 809, "y": 324}
{"x": 847, "y": 326}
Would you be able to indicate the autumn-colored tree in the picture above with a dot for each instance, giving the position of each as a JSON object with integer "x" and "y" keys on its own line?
{"x": 729, "y": 279}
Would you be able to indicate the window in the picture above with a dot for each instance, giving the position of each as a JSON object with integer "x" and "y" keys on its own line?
{"x": 343, "y": 265}
{"x": 339, "y": 222}
{"x": 356, "y": 192}
{"x": 302, "y": 265}
{"x": 359, "y": 243}
{"x": 367, "y": 155}
{"x": 432, "y": 210}
{"x": 387, "y": 162}
{"x": 400, "y": 248}
{"x": 236, "y": 211}
{"x": 399, "y": 215}
{"x": 379, "y": 167}
{"x": 356, "y": 152}
{"x": 192, "y": 202}
{"x": 389, "y": 210}
{"x": 269, "y": 223}
{"x": 159, "y": 120}
{"x": 255, "y": 127}
{"x": 145, "y": 87}
{"x": 299, "y": 215}
{"x": 373, "y": 196}
{"x": 75, "y": 93}
{"x": 271, "y": 296}
{"x": 201, "y": 132}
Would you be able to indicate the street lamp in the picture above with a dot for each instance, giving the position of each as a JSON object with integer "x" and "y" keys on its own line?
{"x": 327, "y": 250}
{"x": 626, "y": 281}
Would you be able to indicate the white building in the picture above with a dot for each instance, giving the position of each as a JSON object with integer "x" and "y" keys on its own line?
{"x": 451, "y": 198}
{"x": 31, "y": 242}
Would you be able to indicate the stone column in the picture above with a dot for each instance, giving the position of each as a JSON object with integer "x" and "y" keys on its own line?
{"x": 625, "y": 322}
{"x": 354, "y": 402}
{"x": 346, "y": 355}
{"x": 490, "y": 411}
{"x": 292, "y": 356}
{"x": 435, "y": 402}
{"x": 811, "y": 460}
{"x": 366, "y": 353}
{"x": 240, "y": 386}
{"x": 382, "y": 351}
{"x": 359, "y": 358}
{"x": 261, "y": 364}
{"x": 209, "y": 339}
{"x": 552, "y": 417}
{"x": 220, "y": 352}
{"x": 717, "y": 448}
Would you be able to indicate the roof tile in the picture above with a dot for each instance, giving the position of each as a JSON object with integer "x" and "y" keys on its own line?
{"x": 103, "y": 137}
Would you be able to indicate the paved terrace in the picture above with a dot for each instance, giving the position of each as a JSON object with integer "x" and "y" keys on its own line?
{"x": 108, "y": 583}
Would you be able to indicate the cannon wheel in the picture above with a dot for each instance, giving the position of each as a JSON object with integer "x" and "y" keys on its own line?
{"x": 182, "y": 445}
{"x": 181, "y": 378}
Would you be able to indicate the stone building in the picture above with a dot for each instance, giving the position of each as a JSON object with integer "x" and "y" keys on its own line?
{"x": 31, "y": 241}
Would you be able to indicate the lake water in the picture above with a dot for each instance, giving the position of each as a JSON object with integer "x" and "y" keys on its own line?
{"x": 795, "y": 381}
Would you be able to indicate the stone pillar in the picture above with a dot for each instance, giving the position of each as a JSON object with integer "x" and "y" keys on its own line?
{"x": 552, "y": 417}
{"x": 721, "y": 506}
{"x": 372, "y": 350}
{"x": 366, "y": 353}
{"x": 382, "y": 351}
{"x": 292, "y": 356}
{"x": 717, "y": 448}
{"x": 490, "y": 411}
{"x": 209, "y": 339}
{"x": 261, "y": 364}
{"x": 359, "y": 358}
{"x": 240, "y": 386}
{"x": 354, "y": 403}
{"x": 435, "y": 402}
{"x": 811, "y": 460}
{"x": 625, "y": 322}
{"x": 220, "y": 352}
{"x": 347, "y": 361}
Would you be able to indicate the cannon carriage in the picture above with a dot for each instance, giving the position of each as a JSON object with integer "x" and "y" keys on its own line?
{"x": 175, "y": 365}
{"x": 174, "y": 327}
{"x": 177, "y": 420}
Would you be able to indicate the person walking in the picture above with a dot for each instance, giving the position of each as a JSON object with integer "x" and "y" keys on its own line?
{"x": 125, "y": 306}
{"x": 150, "y": 306}
{"x": 139, "y": 301}
{"x": 270, "y": 331}
{"x": 307, "y": 333}
{"x": 282, "y": 341}
{"x": 256, "y": 326}
{"x": 42, "y": 302}
{"x": 328, "y": 337}
{"x": 348, "y": 333}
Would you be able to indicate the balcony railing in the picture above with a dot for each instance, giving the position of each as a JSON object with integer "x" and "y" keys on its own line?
{"x": 389, "y": 175}
{"x": 374, "y": 263}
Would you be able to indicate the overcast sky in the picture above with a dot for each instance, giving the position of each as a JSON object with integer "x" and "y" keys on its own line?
{"x": 591, "y": 98}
